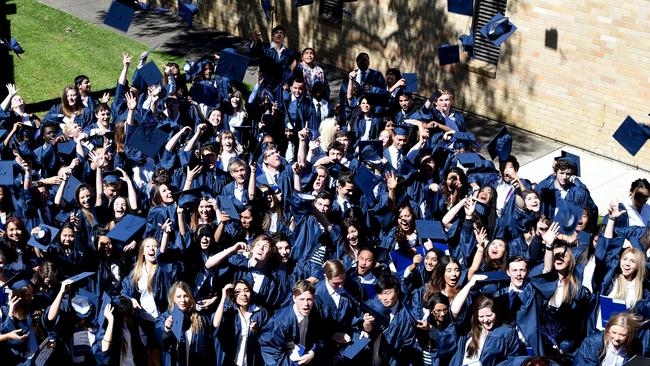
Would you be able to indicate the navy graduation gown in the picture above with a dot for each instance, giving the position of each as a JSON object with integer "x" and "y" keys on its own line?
{"x": 501, "y": 343}
{"x": 282, "y": 332}
{"x": 230, "y": 330}
{"x": 201, "y": 351}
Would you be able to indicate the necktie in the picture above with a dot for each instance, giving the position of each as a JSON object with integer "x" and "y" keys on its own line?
{"x": 363, "y": 77}
{"x": 318, "y": 111}
{"x": 399, "y": 159}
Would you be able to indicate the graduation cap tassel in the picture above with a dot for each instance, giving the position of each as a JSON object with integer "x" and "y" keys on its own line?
{"x": 551, "y": 331}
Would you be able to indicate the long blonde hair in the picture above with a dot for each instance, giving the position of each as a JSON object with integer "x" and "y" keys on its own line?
{"x": 620, "y": 289}
{"x": 140, "y": 265}
{"x": 196, "y": 323}
{"x": 327, "y": 131}
{"x": 629, "y": 321}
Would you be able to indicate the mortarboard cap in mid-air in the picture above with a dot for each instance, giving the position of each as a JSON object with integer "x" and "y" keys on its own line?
{"x": 631, "y": 135}
{"x": 463, "y": 7}
{"x": 127, "y": 228}
{"x": 6, "y": 173}
{"x": 448, "y": 54}
{"x": 147, "y": 139}
{"x": 498, "y": 29}
{"x": 411, "y": 82}
{"x": 119, "y": 16}
{"x": 232, "y": 65}
{"x": 186, "y": 10}
{"x": 43, "y": 237}
{"x": 501, "y": 145}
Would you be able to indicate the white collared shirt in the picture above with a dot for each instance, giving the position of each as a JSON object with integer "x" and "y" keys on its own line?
{"x": 635, "y": 217}
{"x": 614, "y": 357}
{"x": 334, "y": 293}
{"x": 303, "y": 323}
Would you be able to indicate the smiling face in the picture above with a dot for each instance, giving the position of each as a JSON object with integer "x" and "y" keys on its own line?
{"x": 629, "y": 265}
{"x": 205, "y": 210}
{"x": 617, "y": 336}
{"x": 261, "y": 250}
{"x": 242, "y": 294}
{"x": 71, "y": 97}
{"x": 84, "y": 198}
{"x": 103, "y": 117}
{"x": 388, "y": 297}
{"x": 165, "y": 194}
{"x": 430, "y": 261}
{"x": 308, "y": 56}
{"x": 405, "y": 220}
{"x": 405, "y": 102}
{"x": 453, "y": 181}
{"x": 486, "y": 318}
{"x": 365, "y": 262}
{"x": 246, "y": 218}
{"x": 532, "y": 202}
{"x": 517, "y": 272}
{"x": 364, "y": 106}
{"x": 353, "y": 236}
{"x": 440, "y": 312}
{"x": 119, "y": 207}
{"x": 150, "y": 249}
{"x": 14, "y": 233}
{"x": 485, "y": 194}
{"x": 215, "y": 118}
{"x": 561, "y": 259}
{"x": 67, "y": 236}
{"x": 284, "y": 251}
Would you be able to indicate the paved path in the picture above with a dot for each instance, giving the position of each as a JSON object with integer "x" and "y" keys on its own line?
{"x": 607, "y": 179}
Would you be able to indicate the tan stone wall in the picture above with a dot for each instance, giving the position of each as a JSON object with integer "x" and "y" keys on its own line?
{"x": 577, "y": 94}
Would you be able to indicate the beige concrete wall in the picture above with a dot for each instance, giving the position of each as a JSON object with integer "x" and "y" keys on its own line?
{"x": 577, "y": 94}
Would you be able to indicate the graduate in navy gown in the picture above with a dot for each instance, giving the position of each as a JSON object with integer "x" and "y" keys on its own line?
{"x": 614, "y": 346}
{"x": 294, "y": 333}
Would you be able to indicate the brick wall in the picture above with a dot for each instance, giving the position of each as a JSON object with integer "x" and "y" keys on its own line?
{"x": 578, "y": 93}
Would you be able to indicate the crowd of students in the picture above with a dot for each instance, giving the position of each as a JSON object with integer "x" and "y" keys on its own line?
{"x": 189, "y": 221}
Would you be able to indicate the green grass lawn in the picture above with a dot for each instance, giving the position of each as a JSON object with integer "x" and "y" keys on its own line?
{"x": 59, "y": 47}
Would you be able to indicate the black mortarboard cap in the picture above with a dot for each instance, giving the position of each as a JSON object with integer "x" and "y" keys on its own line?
{"x": 300, "y": 204}
{"x": 572, "y": 158}
{"x": 371, "y": 151}
{"x": 498, "y": 29}
{"x": 568, "y": 215}
{"x": 469, "y": 160}
{"x": 501, "y": 145}
{"x": 411, "y": 82}
{"x": 232, "y": 65}
{"x": 20, "y": 279}
{"x": 119, "y": 16}
{"x": 205, "y": 94}
{"x": 147, "y": 140}
{"x": 6, "y": 173}
{"x": 67, "y": 148}
{"x": 81, "y": 276}
{"x": 70, "y": 190}
{"x": 177, "y": 324}
{"x": 43, "y": 237}
{"x": 448, "y": 54}
{"x": 127, "y": 228}
{"x": 331, "y": 11}
{"x": 189, "y": 198}
{"x": 266, "y": 8}
{"x": 227, "y": 206}
{"x": 430, "y": 229}
{"x": 353, "y": 349}
{"x": 186, "y": 11}
{"x": 366, "y": 180}
{"x": 463, "y": 7}
{"x": 150, "y": 73}
{"x": 335, "y": 169}
{"x": 494, "y": 276}
{"x": 631, "y": 135}
{"x": 245, "y": 135}
{"x": 112, "y": 176}
{"x": 403, "y": 129}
